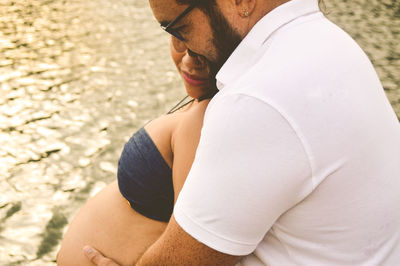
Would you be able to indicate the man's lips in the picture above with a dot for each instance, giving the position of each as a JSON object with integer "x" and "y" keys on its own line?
{"x": 193, "y": 80}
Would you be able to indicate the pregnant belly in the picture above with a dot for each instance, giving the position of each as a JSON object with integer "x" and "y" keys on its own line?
{"x": 108, "y": 223}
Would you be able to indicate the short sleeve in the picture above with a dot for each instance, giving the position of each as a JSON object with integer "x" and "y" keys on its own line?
{"x": 250, "y": 167}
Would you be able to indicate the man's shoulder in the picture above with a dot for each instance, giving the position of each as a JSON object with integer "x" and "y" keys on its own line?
{"x": 314, "y": 57}
{"x": 236, "y": 99}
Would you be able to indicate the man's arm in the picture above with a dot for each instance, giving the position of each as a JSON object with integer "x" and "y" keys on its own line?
{"x": 174, "y": 247}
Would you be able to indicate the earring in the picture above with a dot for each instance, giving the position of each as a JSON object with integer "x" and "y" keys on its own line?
{"x": 245, "y": 13}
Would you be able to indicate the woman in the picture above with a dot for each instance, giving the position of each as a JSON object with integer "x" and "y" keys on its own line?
{"x": 125, "y": 218}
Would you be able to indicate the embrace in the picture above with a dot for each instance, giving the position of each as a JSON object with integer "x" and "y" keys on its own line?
{"x": 288, "y": 152}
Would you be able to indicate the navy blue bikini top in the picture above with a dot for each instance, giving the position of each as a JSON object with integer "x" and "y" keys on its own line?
{"x": 145, "y": 179}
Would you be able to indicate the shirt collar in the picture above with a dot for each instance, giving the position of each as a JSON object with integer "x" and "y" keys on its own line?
{"x": 245, "y": 54}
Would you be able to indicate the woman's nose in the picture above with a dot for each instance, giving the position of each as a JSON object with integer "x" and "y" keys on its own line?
{"x": 191, "y": 59}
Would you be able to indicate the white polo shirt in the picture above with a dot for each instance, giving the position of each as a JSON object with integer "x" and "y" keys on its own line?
{"x": 299, "y": 157}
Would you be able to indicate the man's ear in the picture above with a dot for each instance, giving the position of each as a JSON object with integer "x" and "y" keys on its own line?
{"x": 245, "y": 8}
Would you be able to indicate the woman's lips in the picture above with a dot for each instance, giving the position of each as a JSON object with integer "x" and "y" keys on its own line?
{"x": 193, "y": 80}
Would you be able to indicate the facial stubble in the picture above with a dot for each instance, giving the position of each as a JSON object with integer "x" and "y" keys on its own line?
{"x": 225, "y": 38}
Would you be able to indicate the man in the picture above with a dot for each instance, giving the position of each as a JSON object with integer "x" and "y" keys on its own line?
{"x": 298, "y": 162}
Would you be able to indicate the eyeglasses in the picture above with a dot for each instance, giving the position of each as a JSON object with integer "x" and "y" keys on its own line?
{"x": 168, "y": 28}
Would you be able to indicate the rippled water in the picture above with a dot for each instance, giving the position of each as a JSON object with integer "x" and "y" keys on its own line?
{"x": 78, "y": 77}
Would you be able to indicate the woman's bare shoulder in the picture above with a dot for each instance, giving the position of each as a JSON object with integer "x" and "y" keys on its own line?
{"x": 188, "y": 128}
{"x": 191, "y": 120}
{"x": 179, "y": 127}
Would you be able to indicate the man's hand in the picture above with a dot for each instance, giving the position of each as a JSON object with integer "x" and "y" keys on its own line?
{"x": 97, "y": 258}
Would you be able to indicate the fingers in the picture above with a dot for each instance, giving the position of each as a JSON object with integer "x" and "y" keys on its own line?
{"x": 97, "y": 258}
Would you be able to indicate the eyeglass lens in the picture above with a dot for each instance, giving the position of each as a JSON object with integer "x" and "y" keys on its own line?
{"x": 178, "y": 45}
